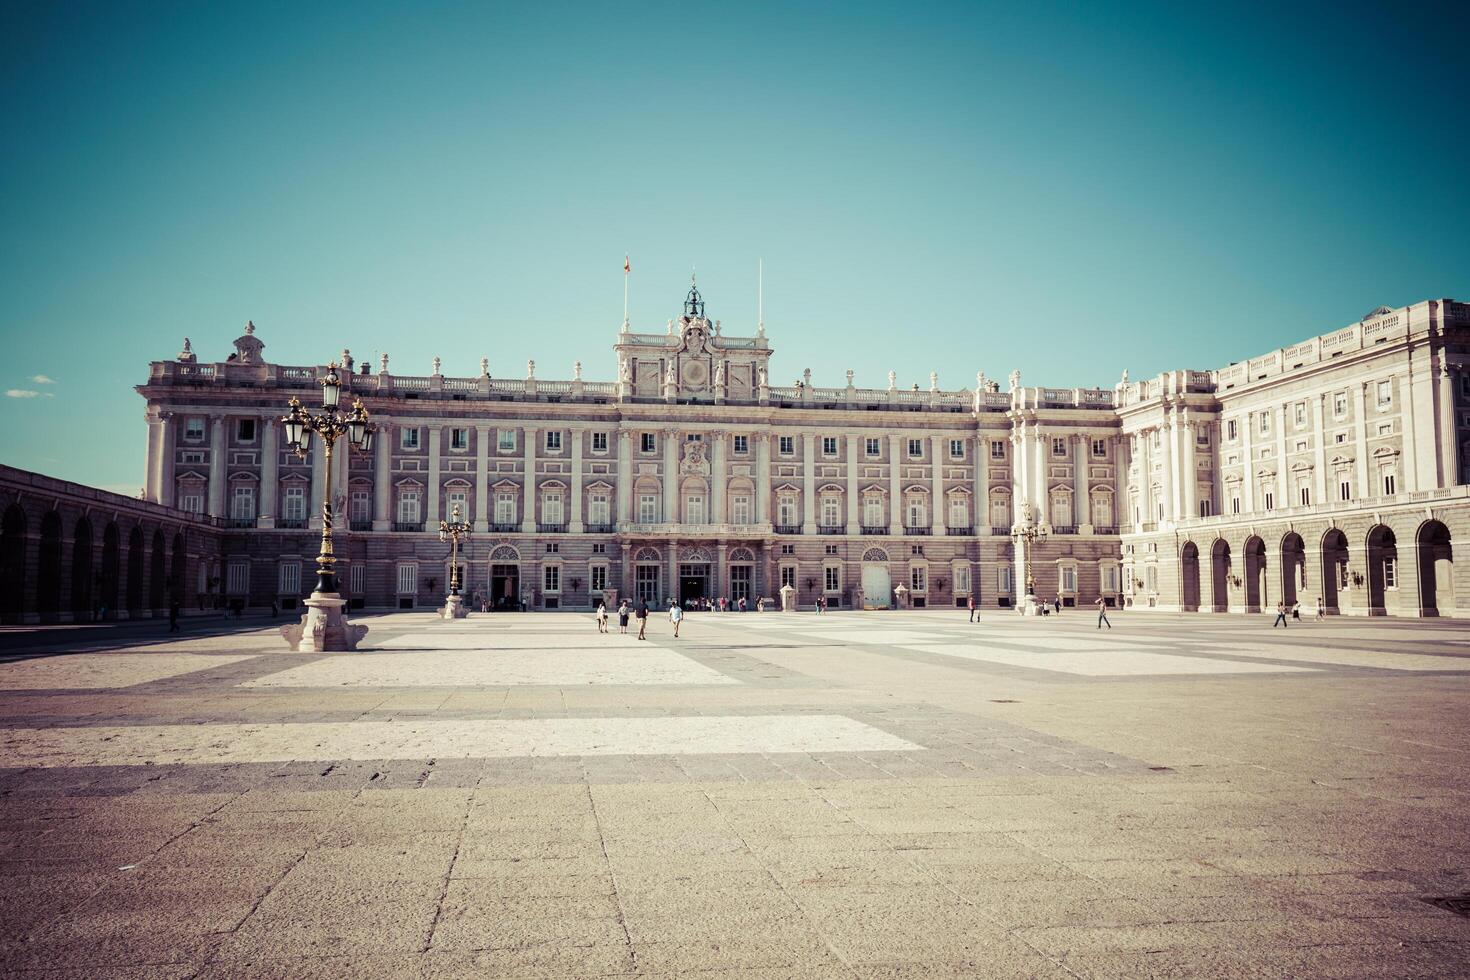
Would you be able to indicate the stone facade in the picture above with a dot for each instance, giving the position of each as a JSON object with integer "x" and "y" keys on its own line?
{"x": 692, "y": 475}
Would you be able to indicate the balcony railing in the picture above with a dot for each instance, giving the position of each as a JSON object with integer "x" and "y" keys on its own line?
{"x": 1001, "y": 530}
{"x": 959, "y": 532}
{"x": 875, "y": 528}
{"x": 510, "y": 528}
{"x": 599, "y": 528}
{"x": 1063, "y": 529}
{"x": 788, "y": 528}
{"x": 1104, "y": 529}
{"x": 911, "y": 531}
{"x": 1148, "y": 526}
{"x": 292, "y": 523}
{"x": 360, "y": 525}
{"x": 830, "y": 529}
{"x": 240, "y": 522}
{"x": 409, "y": 527}
{"x": 546, "y": 528}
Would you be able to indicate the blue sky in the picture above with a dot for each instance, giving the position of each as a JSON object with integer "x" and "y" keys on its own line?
{"x": 1068, "y": 190}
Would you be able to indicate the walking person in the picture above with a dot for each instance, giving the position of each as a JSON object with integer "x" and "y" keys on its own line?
{"x": 623, "y": 616}
{"x": 601, "y": 617}
{"x": 1296, "y": 611}
{"x": 1057, "y": 606}
{"x": 970, "y": 604}
{"x": 676, "y": 616}
{"x": 1102, "y": 612}
{"x": 642, "y": 615}
{"x": 1280, "y": 616}
{"x": 1321, "y": 609}
{"x": 173, "y": 616}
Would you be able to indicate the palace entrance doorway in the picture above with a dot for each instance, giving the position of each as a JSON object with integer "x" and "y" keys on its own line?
{"x": 693, "y": 581}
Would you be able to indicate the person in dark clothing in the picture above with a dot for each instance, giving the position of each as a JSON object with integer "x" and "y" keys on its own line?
{"x": 173, "y": 616}
{"x": 623, "y": 611}
{"x": 642, "y": 615}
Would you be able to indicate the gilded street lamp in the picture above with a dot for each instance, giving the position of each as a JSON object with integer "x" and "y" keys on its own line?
{"x": 322, "y": 628}
{"x": 1027, "y": 534}
{"x": 454, "y": 530}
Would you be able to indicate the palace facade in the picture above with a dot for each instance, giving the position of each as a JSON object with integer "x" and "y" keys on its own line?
{"x": 1334, "y": 467}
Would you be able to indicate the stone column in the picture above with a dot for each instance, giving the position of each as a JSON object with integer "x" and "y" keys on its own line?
{"x": 318, "y": 482}
{"x": 1283, "y": 477}
{"x": 981, "y": 515}
{"x": 1409, "y": 472}
{"x": 481, "y": 524}
{"x": 1189, "y": 469}
{"x": 671, "y": 587}
{"x": 671, "y": 476}
{"x": 1248, "y": 486}
{"x": 168, "y": 456}
{"x": 153, "y": 474}
{"x": 1170, "y": 461}
{"x": 808, "y": 483}
{"x": 270, "y": 470}
{"x": 1146, "y": 477}
{"x": 1319, "y": 424}
{"x": 383, "y": 477}
{"x": 1082, "y": 485}
{"x": 938, "y": 519}
{"x": 1449, "y": 446}
{"x": 1364, "y": 489}
{"x": 625, "y": 490}
{"x": 575, "y": 525}
{"x": 1020, "y": 469}
{"x": 436, "y": 463}
{"x": 528, "y": 482}
{"x": 719, "y": 479}
{"x": 216, "y": 466}
{"x": 718, "y": 584}
{"x": 1040, "y": 452}
{"x": 854, "y": 515}
{"x": 895, "y": 485}
{"x": 762, "y": 477}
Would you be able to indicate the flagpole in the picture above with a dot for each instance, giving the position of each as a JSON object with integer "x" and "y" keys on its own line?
{"x": 627, "y": 270}
{"x": 760, "y": 298}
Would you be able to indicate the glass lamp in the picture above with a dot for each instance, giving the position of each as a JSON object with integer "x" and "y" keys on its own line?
{"x": 331, "y": 389}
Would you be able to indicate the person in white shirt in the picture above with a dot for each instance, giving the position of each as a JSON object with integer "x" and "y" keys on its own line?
{"x": 676, "y": 616}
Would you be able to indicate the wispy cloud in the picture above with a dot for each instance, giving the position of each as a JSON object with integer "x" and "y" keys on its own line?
{"x": 43, "y": 379}
{"x": 21, "y": 393}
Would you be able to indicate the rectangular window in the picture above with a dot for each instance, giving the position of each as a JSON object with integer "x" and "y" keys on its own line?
{"x": 694, "y": 508}
{"x": 1390, "y": 484}
{"x": 245, "y": 430}
{"x": 551, "y": 511}
{"x": 831, "y": 512}
{"x": 1385, "y": 394}
{"x": 742, "y": 445}
{"x": 1234, "y": 504}
{"x": 459, "y": 499}
{"x": 957, "y": 449}
{"x": 195, "y": 457}
{"x": 1003, "y": 580}
{"x": 459, "y": 439}
{"x": 1390, "y": 573}
{"x": 357, "y": 579}
{"x": 1299, "y": 414}
{"x": 919, "y": 578}
{"x": 289, "y": 578}
{"x": 1151, "y": 578}
{"x": 873, "y": 511}
{"x": 1206, "y": 508}
{"x": 192, "y": 502}
{"x": 1265, "y": 423}
{"x": 194, "y": 430}
{"x": 1099, "y": 448}
{"x": 551, "y": 578}
{"x": 242, "y": 503}
{"x": 740, "y": 509}
{"x": 408, "y": 578}
{"x": 829, "y": 445}
{"x": 553, "y": 441}
{"x": 959, "y": 512}
{"x": 1230, "y": 430}
{"x": 788, "y": 576}
{"x": 408, "y": 507}
{"x": 597, "y": 577}
{"x": 997, "y": 450}
{"x": 237, "y": 580}
{"x": 1202, "y": 435}
{"x": 505, "y": 440}
{"x": 917, "y": 512}
{"x": 786, "y": 511}
{"x": 916, "y": 448}
{"x": 1304, "y": 494}
{"x": 1059, "y": 447}
{"x": 1270, "y": 499}
{"x": 1339, "y": 437}
{"x": 597, "y": 509}
{"x": 408, "y": 437}
{"x": 649, "y": 442}
{"x": 360, "y": 506}
{"x": 599, "y": 442}
{"x": 786, "y": 445}
{"x": 1069, "y": 578}
{"x": 505, "y": 508}
{"x": 293, "y": 504}
{"x": 962, "y": 578}
{"x": 1301, "y": 445}
{"x": 648, "y": 508}
{"x": 1345, "y": 490}
{"x": 1385, "y": 429}
{"x": 832, "y": 579}
{"x": 872, "y": 447}
{"x": 1339, "y": 404}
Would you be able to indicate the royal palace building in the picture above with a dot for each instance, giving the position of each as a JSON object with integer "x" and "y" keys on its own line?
{"x": 1333, "y": 468}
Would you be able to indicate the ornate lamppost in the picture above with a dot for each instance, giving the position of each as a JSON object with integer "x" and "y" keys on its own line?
{"x": 454, "y": 530}
{"x": 1028, "y": 533}
{"x": 323, "y": 627}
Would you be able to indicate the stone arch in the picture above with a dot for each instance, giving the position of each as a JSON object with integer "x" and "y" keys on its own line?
{"x": 135, "y": 571}
{"x": 1334, "y": 567}
{"x": 157, "y": 574}
{"x": 742, "y": 554}
{"x": 504, "y": 553}
{"x": 1189, "y": 577}
{"x": 1435, "y": 558}
{"x": 875, "y": 554}
{"x": 1220, "y": 575}
{"x": 13, "y": 565}
{"x": 81, "y": 571}
{"x": 48, "y": 569}
{"x": 1256, "y": 591}
{"x": 111, "y": 570}
{"x": 1293, "y": 567}
{"x": 646, "y": 554}
{"x": 1383, "y": 555}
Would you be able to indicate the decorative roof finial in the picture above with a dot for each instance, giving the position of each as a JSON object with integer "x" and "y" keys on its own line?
{"x": 693, "y": 303}
{"x": 249, "y": 328}
{"x": 187, "y": 354}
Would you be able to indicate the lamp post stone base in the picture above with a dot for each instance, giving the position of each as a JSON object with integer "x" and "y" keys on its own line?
{"x": 1030, "y": 607}
{"x": 454, "y": 608}
{"x": 323, "y": 627}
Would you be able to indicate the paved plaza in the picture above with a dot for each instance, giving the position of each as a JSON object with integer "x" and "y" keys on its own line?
{"x": 840, "y": 795}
